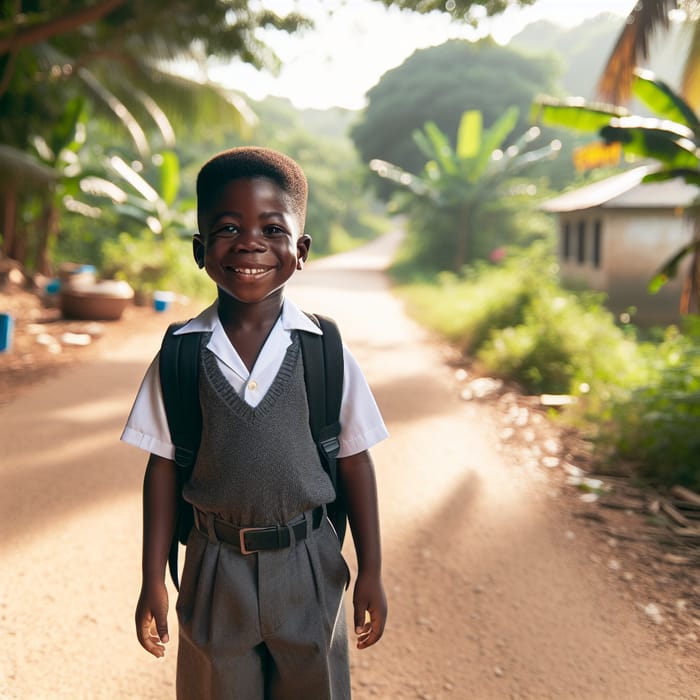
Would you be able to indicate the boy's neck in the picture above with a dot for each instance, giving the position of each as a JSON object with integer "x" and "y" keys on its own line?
{"x": 235, "y": 314}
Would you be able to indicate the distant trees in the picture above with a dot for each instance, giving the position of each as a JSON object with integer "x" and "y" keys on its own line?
{"x": 438, "y": 84}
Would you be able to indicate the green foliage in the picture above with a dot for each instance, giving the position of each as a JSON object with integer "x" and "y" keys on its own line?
{"x": 149, "y": 262}
{"x": 550, "y": 349}
{"x": 655, "y": 426}
{"x": 516, "y": 321}
{"x": 466, "y": 201}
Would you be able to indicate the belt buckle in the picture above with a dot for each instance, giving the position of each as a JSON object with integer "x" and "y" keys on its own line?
{"x": 241, "y": 539}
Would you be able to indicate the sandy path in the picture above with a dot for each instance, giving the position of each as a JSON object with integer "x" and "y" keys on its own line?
{"x": 488, "y": 597}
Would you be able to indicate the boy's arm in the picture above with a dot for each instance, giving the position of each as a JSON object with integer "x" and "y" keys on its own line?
{"x": 159, "y": 499}
{"x": 360, "y": 488}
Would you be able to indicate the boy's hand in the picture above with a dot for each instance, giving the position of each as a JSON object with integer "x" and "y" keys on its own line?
{"x": 152, "y": 618}
{"x": 369, "y": 598}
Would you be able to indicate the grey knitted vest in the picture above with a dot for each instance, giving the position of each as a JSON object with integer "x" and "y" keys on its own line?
{"x": 257, "y": 466}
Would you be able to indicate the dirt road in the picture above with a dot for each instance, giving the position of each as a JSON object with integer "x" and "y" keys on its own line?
{"x": 491, "y": 589}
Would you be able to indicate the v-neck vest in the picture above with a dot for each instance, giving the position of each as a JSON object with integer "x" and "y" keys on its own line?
{"x": 257, "y": 466}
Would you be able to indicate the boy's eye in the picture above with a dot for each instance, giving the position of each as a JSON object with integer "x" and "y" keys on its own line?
{"x": 227, "y": 229}
{"x": 274, "y": 230}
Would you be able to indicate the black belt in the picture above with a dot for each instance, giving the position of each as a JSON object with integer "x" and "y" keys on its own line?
{"x": 249, "y": 540}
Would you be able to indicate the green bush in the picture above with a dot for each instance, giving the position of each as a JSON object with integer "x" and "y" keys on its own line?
{"x": 655, "y": 427}
{"x": 465, "y": 310}
{"x": 149, "y": 262}
{"x": 566, "y": 343}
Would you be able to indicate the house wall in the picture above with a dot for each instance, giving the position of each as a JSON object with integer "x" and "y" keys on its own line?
{"x": 633, "y": 244}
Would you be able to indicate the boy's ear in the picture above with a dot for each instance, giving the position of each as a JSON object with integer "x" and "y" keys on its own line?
{"x": 303, "y": 246}
{"x": 198, "y": 250}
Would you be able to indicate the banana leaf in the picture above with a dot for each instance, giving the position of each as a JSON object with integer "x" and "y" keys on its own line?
{"x": 691, "y": 177}
{"x": 574, "y": 114}
{"x": 662, "y": 100}
{"x": 662, "y": 145}
{"x": 492, "y": 140}
{"x": 670, "y": 268}
{"x": 169, "y": 171}
{"x": 469, "y": 134}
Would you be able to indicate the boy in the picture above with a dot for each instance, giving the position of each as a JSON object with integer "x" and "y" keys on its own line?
{"x": 266, "y": 624}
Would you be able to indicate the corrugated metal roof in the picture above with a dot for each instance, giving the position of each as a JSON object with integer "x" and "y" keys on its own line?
{"x": 626, "y": 191}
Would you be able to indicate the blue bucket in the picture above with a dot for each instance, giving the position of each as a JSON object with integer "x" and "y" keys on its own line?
{"x": 6, "y": 330}
{"x": 162, "y": 300}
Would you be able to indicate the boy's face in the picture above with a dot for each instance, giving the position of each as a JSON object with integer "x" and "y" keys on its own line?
{"x": 250, "y": 239}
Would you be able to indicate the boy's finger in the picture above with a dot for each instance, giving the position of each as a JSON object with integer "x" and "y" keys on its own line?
{"x": 162, "y": 629}
{"x": 371, "y": 632}
{"x": 361, "y": 617}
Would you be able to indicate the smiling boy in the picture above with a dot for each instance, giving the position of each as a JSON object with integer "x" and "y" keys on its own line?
{"x": 266, "y": 624}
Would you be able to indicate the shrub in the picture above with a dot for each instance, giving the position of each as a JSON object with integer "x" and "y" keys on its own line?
{"x": 149, "y": 262}
{"x": 655, "y": 427}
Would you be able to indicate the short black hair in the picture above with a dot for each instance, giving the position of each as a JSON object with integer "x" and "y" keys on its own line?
{"x": 250, "y": 162}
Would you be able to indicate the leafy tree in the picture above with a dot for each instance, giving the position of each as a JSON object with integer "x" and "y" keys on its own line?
{"x": 438, "y": 84}
{"x": 462, "y": 205}
{"x": 673, "y": 139}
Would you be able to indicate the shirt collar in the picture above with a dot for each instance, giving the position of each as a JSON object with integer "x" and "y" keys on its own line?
{"x": 292, "y": 318}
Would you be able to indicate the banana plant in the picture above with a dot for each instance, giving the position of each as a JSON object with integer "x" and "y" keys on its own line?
{"x": 672, "y": 138}
{"x": 462, "y": 185}
{"x": 147, "y": 197}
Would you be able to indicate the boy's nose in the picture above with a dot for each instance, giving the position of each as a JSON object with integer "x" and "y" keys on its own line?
{"x": 250, "y": 239}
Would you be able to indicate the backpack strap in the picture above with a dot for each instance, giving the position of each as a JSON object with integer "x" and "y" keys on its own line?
{"x": 179, "y": 380}
{"x": 323, "y": 376}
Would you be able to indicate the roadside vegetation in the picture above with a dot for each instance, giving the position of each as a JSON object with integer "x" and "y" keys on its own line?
{"x": 635, "y": 396}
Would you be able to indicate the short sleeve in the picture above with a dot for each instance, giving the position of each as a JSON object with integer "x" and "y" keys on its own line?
{"x": 147, "y": 425}
{"x": 362, "y": 425}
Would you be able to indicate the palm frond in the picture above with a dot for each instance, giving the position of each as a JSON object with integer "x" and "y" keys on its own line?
{"x": 631, "y": 47}
{"x": 20, "y": 171}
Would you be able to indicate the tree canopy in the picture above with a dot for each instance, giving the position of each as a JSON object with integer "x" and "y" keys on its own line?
{"x": 438, "y": 84}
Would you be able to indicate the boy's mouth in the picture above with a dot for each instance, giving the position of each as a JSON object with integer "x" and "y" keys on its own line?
{"x": 247, "y": 274}
{"x": 250, "y": 271}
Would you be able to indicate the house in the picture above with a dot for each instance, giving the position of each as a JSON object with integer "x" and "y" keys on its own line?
{"x": 615, "y": 234}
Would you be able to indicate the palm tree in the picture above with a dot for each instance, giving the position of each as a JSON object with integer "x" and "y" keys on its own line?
{"x": 633, "y": 44}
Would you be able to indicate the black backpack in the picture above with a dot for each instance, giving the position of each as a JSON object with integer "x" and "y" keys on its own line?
{"x": 179, "y": 379}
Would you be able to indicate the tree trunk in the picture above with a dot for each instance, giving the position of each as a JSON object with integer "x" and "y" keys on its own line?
{"x": 462, "y": 251}
{"x": 45, "y": 237}
{"x": 9, "y": 222}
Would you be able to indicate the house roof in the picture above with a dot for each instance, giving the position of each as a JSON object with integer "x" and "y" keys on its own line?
{"x": 626, "y": 191}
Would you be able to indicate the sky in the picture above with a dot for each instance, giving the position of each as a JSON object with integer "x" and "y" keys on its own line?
{"x": 355, "y": 42}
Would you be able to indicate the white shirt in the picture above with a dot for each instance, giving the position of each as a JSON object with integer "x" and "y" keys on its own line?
{"x": 361, "y": 422}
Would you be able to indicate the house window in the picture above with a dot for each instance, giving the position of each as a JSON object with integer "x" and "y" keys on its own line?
{"x": 597, "y": 241}
{"x": 581, "y": 243}
{"x": 566, "y": 241}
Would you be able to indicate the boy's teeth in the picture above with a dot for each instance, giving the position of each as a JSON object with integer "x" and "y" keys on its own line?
{"x": 249, "y": 271}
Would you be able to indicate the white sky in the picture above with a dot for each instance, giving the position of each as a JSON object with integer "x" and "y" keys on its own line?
{"x": 355, "y": 42}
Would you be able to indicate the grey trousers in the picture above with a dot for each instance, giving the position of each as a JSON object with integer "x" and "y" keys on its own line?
{"x": 263, "y": 626}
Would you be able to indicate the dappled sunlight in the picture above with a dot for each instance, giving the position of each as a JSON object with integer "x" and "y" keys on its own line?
{"x": 43, "y": 456}
{"x": 60, "y": 455}
{"x": 86, "y": 412}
